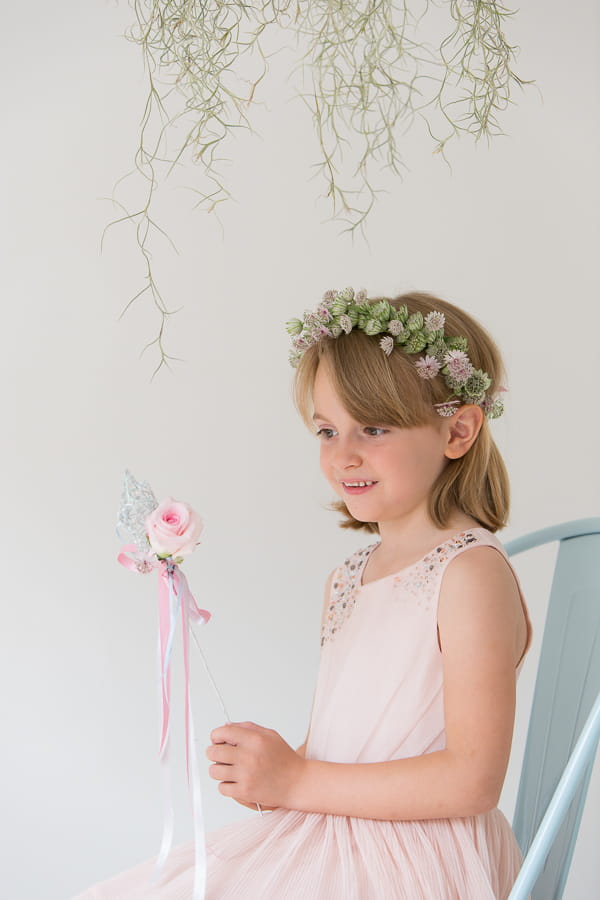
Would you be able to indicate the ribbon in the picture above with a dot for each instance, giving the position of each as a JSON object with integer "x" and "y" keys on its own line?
{"x": 174, "y": 595}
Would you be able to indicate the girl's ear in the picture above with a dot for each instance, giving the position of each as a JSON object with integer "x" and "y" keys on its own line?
{"x": 463, "y": 428}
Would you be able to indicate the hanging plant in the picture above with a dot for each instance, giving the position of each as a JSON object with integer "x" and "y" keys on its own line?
{"x": 364, "y": 70}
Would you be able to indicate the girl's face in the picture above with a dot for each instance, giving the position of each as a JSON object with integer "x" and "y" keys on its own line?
{"x": 383, "y": 474}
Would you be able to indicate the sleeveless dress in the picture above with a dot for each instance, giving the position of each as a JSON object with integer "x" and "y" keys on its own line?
{"x": 379, "y": 696}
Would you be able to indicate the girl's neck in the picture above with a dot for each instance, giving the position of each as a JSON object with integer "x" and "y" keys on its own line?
{"x": 403, "y": 542}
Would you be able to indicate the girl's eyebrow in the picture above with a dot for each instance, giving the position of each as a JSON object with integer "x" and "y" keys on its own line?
{"x": 317, "y": 415}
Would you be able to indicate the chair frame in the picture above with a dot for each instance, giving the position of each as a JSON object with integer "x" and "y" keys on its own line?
{"x": 576, "y": 769}
{"x": 576, "y": 774}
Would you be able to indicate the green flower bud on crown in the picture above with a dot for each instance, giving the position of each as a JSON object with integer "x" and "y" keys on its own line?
{"x": 294, "y": 326}
{"x": 382, "y": 310}
{"x": 477, "y": 383}
{"x": 416, "y": 342}
{"x": 339, "y": 306}
{"x": 415, "y": 322}
{"x": 457, "y": 387}
{"x": 438, "y": 349}
{"x": 457, "y": 343}
{"x": 352, "y": 314}
{"x": 493, "y": 408}
{"x": 364, "y": 316}
{"x": 341, "y": 312}
{"x": 375, "y": 326}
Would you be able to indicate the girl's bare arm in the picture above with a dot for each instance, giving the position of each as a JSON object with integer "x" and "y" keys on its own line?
{"x": 482, "y": 635}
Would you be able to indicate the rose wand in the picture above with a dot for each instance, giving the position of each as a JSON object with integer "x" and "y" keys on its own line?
{"x": 162, "y": 534}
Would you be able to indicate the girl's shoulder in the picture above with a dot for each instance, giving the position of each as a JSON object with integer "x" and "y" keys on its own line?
{"x": 489, "y": 583}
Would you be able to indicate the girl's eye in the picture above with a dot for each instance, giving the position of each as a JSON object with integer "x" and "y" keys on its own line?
{"x": 325, "y": 433}
{"x": 374, "y": 430}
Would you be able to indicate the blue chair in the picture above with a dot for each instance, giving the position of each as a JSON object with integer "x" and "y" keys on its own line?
{"x": 564, "y": 727}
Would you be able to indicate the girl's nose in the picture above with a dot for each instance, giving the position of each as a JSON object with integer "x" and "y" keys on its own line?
{"x": 347, "y": 454}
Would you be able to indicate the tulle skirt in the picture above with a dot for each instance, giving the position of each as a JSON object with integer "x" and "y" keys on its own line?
{"x": 288, "y": 855}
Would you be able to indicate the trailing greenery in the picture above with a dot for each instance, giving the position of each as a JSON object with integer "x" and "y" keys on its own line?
{"x": 365, "y": 72}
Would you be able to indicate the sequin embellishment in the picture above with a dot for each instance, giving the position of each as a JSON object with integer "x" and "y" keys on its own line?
{"x": 343, "y": 590}
{"x": 422, "y": 579}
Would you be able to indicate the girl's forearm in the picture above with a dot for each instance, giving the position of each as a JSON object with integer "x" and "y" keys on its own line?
{"x": 436, "y": 785}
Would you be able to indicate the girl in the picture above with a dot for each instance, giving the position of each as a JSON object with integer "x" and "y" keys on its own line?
{"x": 394, "y": 792}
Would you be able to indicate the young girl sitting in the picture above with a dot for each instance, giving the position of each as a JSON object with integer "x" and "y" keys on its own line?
{"x": 394, "y": 792}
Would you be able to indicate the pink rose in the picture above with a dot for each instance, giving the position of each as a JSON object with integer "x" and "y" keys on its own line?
{"x": 173, "y": 528}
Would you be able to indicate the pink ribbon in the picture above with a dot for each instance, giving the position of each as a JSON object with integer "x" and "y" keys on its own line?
{"x": 174, "y": 594}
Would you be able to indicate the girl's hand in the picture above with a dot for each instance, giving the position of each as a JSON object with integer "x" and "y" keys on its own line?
{"x": 253, "y": 764}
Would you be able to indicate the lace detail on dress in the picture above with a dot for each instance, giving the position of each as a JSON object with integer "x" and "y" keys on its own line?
{"x": 343, "y": 592}
{"x": 421, "y": 579}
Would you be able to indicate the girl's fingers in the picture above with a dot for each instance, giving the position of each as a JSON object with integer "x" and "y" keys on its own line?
{"x": 228, "y": 790}
{"x": 221, "y": 753}
{"x": 221, "y": 772}
{"x": 234, "y": 732}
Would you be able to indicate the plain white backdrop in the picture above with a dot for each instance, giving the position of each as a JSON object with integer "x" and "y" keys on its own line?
{"x": 511, "y": 233}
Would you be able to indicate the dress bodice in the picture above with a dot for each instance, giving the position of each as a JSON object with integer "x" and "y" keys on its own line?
{"x": 379, "y": 692}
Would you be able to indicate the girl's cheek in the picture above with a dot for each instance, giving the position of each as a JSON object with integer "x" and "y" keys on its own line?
{"x": 326, "y": 467}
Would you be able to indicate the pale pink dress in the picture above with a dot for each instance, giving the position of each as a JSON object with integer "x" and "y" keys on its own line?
{"x": 379, "y": 696}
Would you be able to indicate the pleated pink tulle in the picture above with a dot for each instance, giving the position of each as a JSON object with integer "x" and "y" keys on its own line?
{"x": 378, "y": 696}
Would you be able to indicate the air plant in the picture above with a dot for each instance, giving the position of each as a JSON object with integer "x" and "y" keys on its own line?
{"x": 365, "y": 71}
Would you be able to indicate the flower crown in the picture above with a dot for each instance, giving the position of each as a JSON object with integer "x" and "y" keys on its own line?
{"x": 341, "y": 311}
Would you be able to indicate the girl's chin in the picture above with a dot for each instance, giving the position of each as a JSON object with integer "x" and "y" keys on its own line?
{"x": 362, "y": 512}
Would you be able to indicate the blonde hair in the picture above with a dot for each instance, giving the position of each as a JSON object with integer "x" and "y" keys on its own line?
{"x": 380, "y": 390}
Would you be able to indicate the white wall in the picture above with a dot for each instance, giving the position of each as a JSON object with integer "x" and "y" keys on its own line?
{"x": 512, "y": 234}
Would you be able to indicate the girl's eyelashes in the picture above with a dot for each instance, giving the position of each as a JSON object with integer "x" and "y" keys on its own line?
{"x": 325, "y": 433}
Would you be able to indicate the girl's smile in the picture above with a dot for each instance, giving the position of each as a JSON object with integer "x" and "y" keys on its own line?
{"x": 357, "y": 487}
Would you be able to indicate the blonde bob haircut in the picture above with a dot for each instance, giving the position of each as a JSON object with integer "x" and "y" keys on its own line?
{"x": 377, "y": 389}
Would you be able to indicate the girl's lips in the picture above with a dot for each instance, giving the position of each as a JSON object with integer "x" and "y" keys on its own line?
{"x": 358, "y": 487}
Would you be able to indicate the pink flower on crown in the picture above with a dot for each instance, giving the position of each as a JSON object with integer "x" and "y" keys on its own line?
{"x": 346, "y": 323}
{"x": 387, "y": 344}
{"x": 427, "y": 367}
{"x": 459, "y": 365}
{"x": 323, "y": 313}
{"x": 435, "y": 321}
{"x": 395, "y": 326}
{"x": 323, "y": 331}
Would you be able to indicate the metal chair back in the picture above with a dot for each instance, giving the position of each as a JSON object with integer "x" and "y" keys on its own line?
{"x": 567, "y": 686}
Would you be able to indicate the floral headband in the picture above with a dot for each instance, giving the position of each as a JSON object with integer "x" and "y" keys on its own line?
{"x": 341, "y": 311}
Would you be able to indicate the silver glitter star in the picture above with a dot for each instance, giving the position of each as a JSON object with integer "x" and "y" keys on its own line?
{"x": 137, "y": 502}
